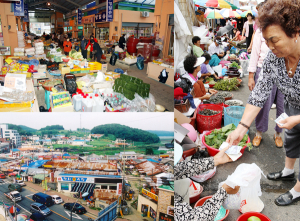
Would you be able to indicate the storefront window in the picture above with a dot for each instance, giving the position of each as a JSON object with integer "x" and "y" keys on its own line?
{"x": 64, "y": 186}
{"x": 73, "y": 184}
{"x": 80, "y": 32}
{"x": 113, "y": 187}
{"x": 65, "y": 29}
{"x": 103, "y": 187}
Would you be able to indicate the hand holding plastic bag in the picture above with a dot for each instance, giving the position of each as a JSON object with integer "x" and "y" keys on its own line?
{"x": 247, "y": 176}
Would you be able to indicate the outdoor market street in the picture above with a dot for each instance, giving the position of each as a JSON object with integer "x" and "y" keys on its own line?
{"x": 270, "y": 159}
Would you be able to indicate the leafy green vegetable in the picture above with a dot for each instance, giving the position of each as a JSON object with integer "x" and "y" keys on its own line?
{"x": 218, "y": 136}
{"x": 227, "y": 85}
{"x": 235, "y": 65}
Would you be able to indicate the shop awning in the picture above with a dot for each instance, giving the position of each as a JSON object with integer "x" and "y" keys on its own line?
{"x": 40, "y": 176}
{"x": 141, "y": 25}
{"x": 83, "y": 187}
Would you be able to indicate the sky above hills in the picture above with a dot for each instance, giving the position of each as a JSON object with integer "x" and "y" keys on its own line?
{"x": 145, "y": 121}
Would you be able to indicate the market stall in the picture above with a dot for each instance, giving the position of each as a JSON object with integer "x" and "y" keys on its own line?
{"x": 70, "y": 83}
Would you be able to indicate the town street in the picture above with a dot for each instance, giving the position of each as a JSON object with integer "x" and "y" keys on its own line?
{"x": 58, "y": 212}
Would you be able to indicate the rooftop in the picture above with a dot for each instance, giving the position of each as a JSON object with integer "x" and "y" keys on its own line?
{"x": 93, "y": 176}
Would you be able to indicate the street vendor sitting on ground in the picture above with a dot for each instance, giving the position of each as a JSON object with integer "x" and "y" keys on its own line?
{"x": 215, "y": 48}
{"x": 186, "y": 169}
{"x": 192, "y": 65}
{"x": 206, "y": 70}
{"x": 196, "y": 50}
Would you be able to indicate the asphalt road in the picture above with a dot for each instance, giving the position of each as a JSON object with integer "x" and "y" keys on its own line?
{"x": 270, "y": 159}
{"x": 58, "y": 211}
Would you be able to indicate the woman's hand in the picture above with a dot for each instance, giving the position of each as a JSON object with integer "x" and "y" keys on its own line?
{"x": 249, "y": 49}
{"x": 235, "y": 137}
{"x": 229, "y": 190}
{"x": 289, "y": 122}
{"x": 206, "y": 97}
{"x": 251, "y": 82}
{"x": 212, "y": 91}
{"x": 222, "y": 157}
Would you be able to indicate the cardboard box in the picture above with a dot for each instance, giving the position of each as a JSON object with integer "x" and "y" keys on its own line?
{"x": 61, "y": 109}
{"x": 104, "y": 68}
{"x": 15, "y": 81}
{"x": 180, "y": 118}
{"x": 64, "y": 69}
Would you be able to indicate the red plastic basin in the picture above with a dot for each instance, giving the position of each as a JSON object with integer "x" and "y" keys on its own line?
{"x": 212, "y": 151}
{"x": 202, "y": 201}
{"x": 245, "y": 216}
{"x": 196, "y": 197}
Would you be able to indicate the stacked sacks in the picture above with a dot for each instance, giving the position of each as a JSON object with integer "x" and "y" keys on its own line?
{"x": 128, "y": 86}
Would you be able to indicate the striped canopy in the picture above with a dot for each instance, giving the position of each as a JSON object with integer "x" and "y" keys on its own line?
{"x": 83, "y": 187}
{"x": 217, "y": 4}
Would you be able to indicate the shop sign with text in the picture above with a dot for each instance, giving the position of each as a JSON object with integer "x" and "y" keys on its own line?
{"x": 149, "y": 194}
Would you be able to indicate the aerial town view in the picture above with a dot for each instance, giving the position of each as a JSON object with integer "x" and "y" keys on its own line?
{"x": 75, "y": 166}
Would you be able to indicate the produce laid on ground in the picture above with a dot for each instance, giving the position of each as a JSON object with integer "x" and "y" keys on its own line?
{"x": 214, "y": 99}
{"x": 210, "y": 80}
{"x": 234, "y": 65}
{"x": 208, "y": 112}
{"x": 218, "y": 136}
{"x": 234, "y": 102}
{"x": 230, "y": 84}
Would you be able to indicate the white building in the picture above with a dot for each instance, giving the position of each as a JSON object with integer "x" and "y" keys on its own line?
{"x": 129, "y": 155}
{"x": 78, "y": 142}
{"x": 13, "y": 135}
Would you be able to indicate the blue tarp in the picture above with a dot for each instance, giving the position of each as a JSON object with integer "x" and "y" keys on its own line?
{"x": 151, "y": 160}
{"x": 15, "y": 150}
{"x": 66, "y": 155}
{"x": 36, "y": 164}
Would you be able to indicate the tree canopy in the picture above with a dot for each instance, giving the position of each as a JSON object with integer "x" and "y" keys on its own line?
{"x": 53, "y": 127}
{"x": 125, "y": 132}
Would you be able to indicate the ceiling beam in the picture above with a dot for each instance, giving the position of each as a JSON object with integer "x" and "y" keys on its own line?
{"x": 36, "y": 3}
{"x": 74, "y": 3}
{"x": 57, "y": 5}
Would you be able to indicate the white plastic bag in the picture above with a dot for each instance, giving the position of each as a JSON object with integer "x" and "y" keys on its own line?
{"x": 204, "y": 176}
{"x": 247, "y": 176}
{"x": 218, "y": 69}
{"x": 232, "y": 201}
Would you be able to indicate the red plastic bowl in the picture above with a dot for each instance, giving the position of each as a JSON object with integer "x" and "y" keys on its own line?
{"x": 211, "y": 85}
{"x": 188, "y": 153}
{"x": 201, "y": 202}
{"x": 212, "y": 151}
{"x": 245, "y": 216}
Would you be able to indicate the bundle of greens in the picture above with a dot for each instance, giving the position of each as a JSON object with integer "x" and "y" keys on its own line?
{"x": 210, "y": 81}
{"x": 218, "y": 136}
{"x": 128, "y": 86}
{"x": 227, "y": 85}
{"x": 235, "y": 65}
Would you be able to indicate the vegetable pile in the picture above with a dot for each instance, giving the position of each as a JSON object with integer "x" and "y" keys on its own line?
{"x": 227, "y": 85}
{"x": 208, "y": 112}
{"x": 210, "y": 81}
{"x": 214, "y": 99}
{"x": 218, "y": 136}
{"x": 235, "y": 65}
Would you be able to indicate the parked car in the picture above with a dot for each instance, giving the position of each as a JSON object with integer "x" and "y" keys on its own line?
{"x": 40, "y": 208}
{"x": 13, "y": 187}
{"x": 57, "y": 199}
{"x": 78, "y": 209}
{"x": 2, "y": 176}
{"x": 20, "y": 182}
{"x": 38, "y": 217}
{"x": 43, "y": 199}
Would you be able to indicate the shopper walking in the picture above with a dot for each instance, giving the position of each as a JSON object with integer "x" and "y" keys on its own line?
{"x": 122, "y": 41}
{"x": 248, "y": 28}
{"x": 97, "y": 52}
{"x": 83, "y": 45}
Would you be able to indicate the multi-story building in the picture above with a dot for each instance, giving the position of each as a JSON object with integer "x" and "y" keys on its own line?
{"x": 13, "y": 135}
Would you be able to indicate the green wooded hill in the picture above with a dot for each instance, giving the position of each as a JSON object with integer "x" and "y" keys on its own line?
{"x": 53, "y": 127}
{"x": 22, "y": 130}
{"x": 162, "y": 133}
{"x": 125, "y": 132}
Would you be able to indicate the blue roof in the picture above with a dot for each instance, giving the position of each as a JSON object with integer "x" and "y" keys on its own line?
{"x": 85, "y": 175}
{"x": 36, "y": 164}
{"x": 151, "y": 160}
{"x": 78, "y": 140}
{"x": 66, "y": 154}
{"x": 3, "y": 160}
{"x": 15, "y": 150}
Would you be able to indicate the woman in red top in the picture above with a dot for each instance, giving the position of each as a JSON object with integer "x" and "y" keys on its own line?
{"x": 67, "y": 46}
{"x": 90, "y": 43}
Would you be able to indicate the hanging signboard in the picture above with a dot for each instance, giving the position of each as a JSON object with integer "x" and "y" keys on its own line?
{"x": 101, "y": 17}
{"x": 19, "y": 8}
{"x": 88, "y": 20}
{"x": 79, "y": 16}
{"x": 119, "y": 189}
{"x": 72, "y": 22}
{"x": 26, "y": 17}
{"x": 109, "y": 10}
{"x": 149, "y": 194}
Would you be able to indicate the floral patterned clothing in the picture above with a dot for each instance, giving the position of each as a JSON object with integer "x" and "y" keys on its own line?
{"x": 207, "y": 212}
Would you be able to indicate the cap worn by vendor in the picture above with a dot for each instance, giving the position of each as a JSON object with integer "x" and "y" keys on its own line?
{"x": 199, "y": 61}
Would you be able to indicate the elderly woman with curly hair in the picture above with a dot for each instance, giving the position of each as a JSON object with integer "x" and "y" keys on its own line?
{"x": 281, "y": 67}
